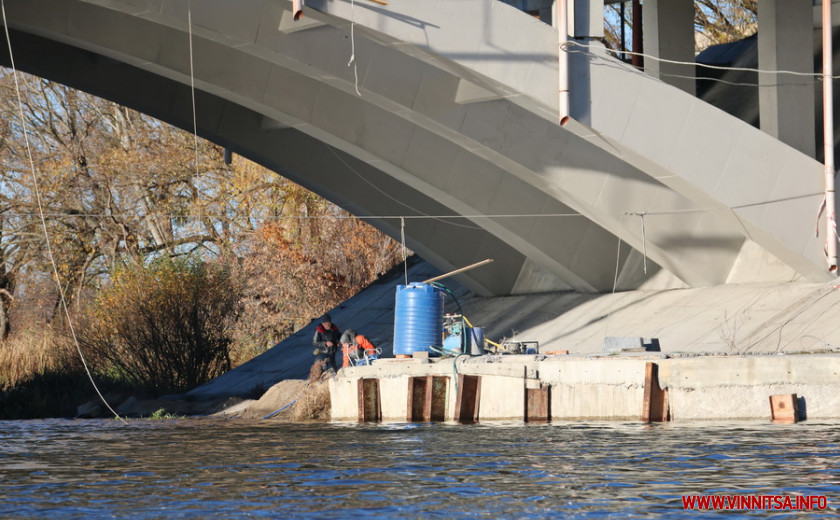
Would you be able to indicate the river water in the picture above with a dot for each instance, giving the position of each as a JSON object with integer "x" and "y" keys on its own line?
{"x": 207, "y": 468}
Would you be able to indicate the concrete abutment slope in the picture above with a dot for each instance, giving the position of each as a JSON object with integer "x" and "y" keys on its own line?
{"x": 456, "y": 117}
{"x": 762, "y": 323}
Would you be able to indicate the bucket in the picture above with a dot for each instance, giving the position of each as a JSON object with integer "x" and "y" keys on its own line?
{"x": 476, "y": 341}
{"x": 418, "y": 319}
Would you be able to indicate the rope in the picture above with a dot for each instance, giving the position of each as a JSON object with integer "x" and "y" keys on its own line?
{"x": 301, "y": 217}
{"x": 192, "y": 95}
{"x": 353, "y": 46}
{"x": 402, "y": 240}
{"x": 693, "y": 64}
{"x": 644, "y": 242}
{"x": 441, "y": 217}
{"x": 383, "y": 192}
{"x": 422, "y": 216}
{"x": 192, "y": 83}
{"x": 37, "y": 190}
{"x": 644, "y": 238}
{"x": 615, "y": 279}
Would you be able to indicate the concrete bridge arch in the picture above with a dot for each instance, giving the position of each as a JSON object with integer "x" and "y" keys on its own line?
{"x": 457, "y": 116}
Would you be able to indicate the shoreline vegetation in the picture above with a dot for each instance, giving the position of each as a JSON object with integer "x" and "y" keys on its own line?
{"x": 122, "y": 191}
{"x": 175, "y": 264}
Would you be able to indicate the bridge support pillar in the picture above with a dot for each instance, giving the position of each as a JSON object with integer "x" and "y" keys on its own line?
{"x": 786, "y": 42}
{"x": 669, "y": 34}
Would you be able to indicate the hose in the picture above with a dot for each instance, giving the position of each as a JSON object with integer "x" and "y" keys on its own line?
{"x": 275, "y": 412}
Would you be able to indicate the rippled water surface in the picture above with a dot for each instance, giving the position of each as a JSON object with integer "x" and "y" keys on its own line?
{"x": 233, "y": 469}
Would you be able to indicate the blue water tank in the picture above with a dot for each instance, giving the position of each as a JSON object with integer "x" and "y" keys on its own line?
{"x": 418, "y": 318}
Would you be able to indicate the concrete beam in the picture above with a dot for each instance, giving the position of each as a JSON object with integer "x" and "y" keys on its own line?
{"x": 588, "y": 18}
{"x": 669, "y": 34}
{"x": 654, "y": 150}
{"x": 786, "y": 42}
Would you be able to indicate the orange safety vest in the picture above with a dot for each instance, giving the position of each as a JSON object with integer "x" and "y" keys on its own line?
{"x": 361, "y": 343}
{"x": 366, "y": 345}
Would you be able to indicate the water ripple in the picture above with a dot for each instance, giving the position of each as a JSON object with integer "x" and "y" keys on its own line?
{"x": 231, "y": 469}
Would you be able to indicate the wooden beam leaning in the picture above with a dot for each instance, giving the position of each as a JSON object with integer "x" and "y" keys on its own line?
{"x": 784, "y": 408}
{"x": 370, "y": 408}
{"x": 538, "y": 404}
{"x": 416, "y": 399}
{"x": 468, "y": 399}
{"x": 435, "y": 407}
{"x": 427, "y": 399}
{"x": 655, "y": 406}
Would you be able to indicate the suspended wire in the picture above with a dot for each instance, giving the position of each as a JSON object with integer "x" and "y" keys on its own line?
{"x": 692, "y": 63}
{"x": 37, "y": 190}
{"x": 192, "y": 83}
{"x": 383, "y": 192}
{"x": 605, "y": 62}
{"x": 192, "y": 95}
{"x": 302, "y": 217}
{"x": 615, "y": 279}
{"x": 423, "y": 216}
{"x": 727, "y": 82}
{"x": 353, "y": 46}
{"x": 404, "y": 253}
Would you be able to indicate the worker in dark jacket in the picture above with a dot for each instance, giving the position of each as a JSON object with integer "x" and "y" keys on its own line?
{"x": 326, "y": 341}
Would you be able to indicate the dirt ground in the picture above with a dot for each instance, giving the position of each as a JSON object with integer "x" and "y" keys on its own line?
{"x": 275, "y": 398}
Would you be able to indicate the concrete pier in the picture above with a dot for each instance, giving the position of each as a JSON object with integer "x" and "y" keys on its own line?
{"x": 586, "y": 387}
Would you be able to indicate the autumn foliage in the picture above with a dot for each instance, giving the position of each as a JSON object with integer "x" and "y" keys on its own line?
{"x": 165, "y": 327}
{"x": 150, "y": 230}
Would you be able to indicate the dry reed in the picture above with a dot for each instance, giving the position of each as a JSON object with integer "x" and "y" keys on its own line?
{"x": 31, "y": 352}
{"x": 313, "y": 404}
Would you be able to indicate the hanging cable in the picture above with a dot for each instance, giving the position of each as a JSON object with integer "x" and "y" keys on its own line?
{"x": 424, "y": 216}
{"x": 383, "y": 192}
{"x": 192, "y": 96}
{"x": 353, "y": 46}
{"x": 37, "y": 190}
{"x": 615, "y": 279}
{"x": 644, "y": 237}
{"x": 586, "y": 46}
{"x": 304, "y": 217}
{"x": 192, "y": 83}
{"x": 644, "y": 242}
{"x": 402, "y": 240}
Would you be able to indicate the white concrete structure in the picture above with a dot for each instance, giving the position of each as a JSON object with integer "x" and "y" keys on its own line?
{"x": 447, "y": 116}
{"x": 609, "y": 388}
{"x": 786, "y": 42}
{"x": 763, "y": 322}
{"x": 456, "y": 115}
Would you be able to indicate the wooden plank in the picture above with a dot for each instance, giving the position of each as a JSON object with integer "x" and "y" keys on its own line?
{"x": 370, "y": 409}
{"x": 360, "y": 393}
{"x": 427, "y": 400}
{"x": 416, "y": 399}
{"x": 655, "y": 404}
{"x": 468, "y": 399}
{"x": 437, "y": 411}
{"x": 784, "y": 408}
{"x": 538, "y": 407}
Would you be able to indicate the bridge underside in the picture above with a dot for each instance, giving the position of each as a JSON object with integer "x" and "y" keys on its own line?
{"x": 454, "y": 128}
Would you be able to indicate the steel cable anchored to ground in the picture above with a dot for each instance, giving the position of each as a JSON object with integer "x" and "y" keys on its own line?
{"x": 37, "y": 191}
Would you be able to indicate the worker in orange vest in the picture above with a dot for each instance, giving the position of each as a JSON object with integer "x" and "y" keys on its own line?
{"x": 355, "y": 346}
